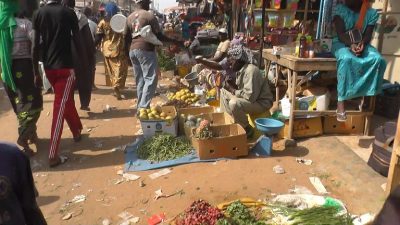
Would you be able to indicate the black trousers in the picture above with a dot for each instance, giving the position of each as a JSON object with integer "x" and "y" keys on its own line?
{"x": 84, "y": 84}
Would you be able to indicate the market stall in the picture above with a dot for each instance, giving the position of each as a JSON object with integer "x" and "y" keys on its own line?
{"x": 292, "y": 63}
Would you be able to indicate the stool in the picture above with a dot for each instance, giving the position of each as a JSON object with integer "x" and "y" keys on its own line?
{"x": 252, "y": 121}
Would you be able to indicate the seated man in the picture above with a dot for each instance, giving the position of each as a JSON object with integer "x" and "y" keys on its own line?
{"x": 221, "y": 52}
{"x": 252, "y": 95}
{"x": 223, "y": 46}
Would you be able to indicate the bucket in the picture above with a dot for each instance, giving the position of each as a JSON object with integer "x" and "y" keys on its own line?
{"x": 214, "y": 103}
{"x": 183, "y": 70}
{"x": 192, "y": 79}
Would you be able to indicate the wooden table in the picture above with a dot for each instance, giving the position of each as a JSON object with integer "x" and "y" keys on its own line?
{"x": 296, "y": 65}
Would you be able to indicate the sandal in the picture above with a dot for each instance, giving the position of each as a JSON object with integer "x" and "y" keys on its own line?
{"x": 341, "y": 117}
{"x": 57, "y": 161}
{"x": 28, "y": 152}
{"x": 78, "y": 137}
{"x": 117, "y": 93}
{"x": 23, "y": 142}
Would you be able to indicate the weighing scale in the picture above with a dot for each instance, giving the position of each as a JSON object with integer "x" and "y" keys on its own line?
{"x": 269, "y": 127}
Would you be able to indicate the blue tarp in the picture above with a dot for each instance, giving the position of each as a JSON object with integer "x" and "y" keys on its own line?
{"x": 133, "y": 163}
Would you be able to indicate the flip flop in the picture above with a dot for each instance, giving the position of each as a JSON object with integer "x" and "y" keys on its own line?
{"x": 78, "y": 137}
{"x": 341, "y": 117}
{"x": 59, "y": 161}
{"x": 28, "y": 152}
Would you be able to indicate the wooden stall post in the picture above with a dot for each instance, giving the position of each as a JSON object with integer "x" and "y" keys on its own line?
{"x": 383, "y": 21}
{"x": 264, "y": 5}
{"x": 394, "y": 169}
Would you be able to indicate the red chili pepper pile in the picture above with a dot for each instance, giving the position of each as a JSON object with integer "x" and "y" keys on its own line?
{"x": 200, "y": 212}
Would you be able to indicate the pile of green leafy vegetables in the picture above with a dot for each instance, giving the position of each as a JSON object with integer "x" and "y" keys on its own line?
{"x": 165, "y": 62}
{"x": 164, "y": 147}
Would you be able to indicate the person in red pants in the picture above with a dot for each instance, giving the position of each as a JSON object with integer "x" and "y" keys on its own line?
{"x": 58, "y": 27}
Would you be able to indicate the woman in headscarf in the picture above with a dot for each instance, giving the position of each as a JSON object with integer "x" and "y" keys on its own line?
{"x": 83, "y": 64}
{"x": 251, "y": 95}
{"x": 360, "y": 67}
{"x": 113, "y": 48}
{"x": 25, "y": 97}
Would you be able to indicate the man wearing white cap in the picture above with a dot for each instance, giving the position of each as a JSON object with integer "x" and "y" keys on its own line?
{"x": 223, "y": 46}
{"x": 220, "y": 54}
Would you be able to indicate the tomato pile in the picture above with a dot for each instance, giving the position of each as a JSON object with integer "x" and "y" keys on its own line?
{"x": 200, "y": 212}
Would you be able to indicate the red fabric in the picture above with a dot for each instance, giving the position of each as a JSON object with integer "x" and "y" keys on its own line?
{"x": 63, "y": 82}
{"x": 363, "y": 12}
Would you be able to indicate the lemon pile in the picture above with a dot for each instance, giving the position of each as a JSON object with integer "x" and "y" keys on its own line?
{"x": 154, "y": 113}
{"x": 184, "y": 96}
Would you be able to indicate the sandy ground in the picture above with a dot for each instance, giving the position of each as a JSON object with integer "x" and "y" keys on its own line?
{"x": 93, "y": 165}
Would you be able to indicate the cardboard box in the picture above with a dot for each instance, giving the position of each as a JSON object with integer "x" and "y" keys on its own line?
{"x": 230, "y": 143}
{"x": 215, "y": 119}
{"x": 152, "y": 127}
{"x": 353, "y": 125}
{"x": 194, "y": 111}
{"x": 303, "y": 127}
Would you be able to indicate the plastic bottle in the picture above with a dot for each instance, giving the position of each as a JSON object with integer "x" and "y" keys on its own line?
{"x": 277, "y": 4}
{"x": 303, "y": 47}
{"x": 297, "y": 51}
{"x": 310, "y": 47}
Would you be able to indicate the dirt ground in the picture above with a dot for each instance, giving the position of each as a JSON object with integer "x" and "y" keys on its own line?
{"x": 93, "y": 165}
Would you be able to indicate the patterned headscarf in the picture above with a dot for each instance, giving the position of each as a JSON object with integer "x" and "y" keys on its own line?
{"x": 239, "y": 52}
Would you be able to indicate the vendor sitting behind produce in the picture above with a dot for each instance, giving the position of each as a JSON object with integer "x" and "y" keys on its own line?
{"x": 252, "y": 95}
{"x": 221, "y": 52}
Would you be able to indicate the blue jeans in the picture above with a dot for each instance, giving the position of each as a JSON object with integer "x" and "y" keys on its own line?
{"x": 144, "y": 66}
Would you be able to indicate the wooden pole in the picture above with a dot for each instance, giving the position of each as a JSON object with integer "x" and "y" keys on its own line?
{"x": 394, "y": 169}
{"x": 306, "y": 10}
{"x": 383, "y": 21}
{"x": 264, "y": 5}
